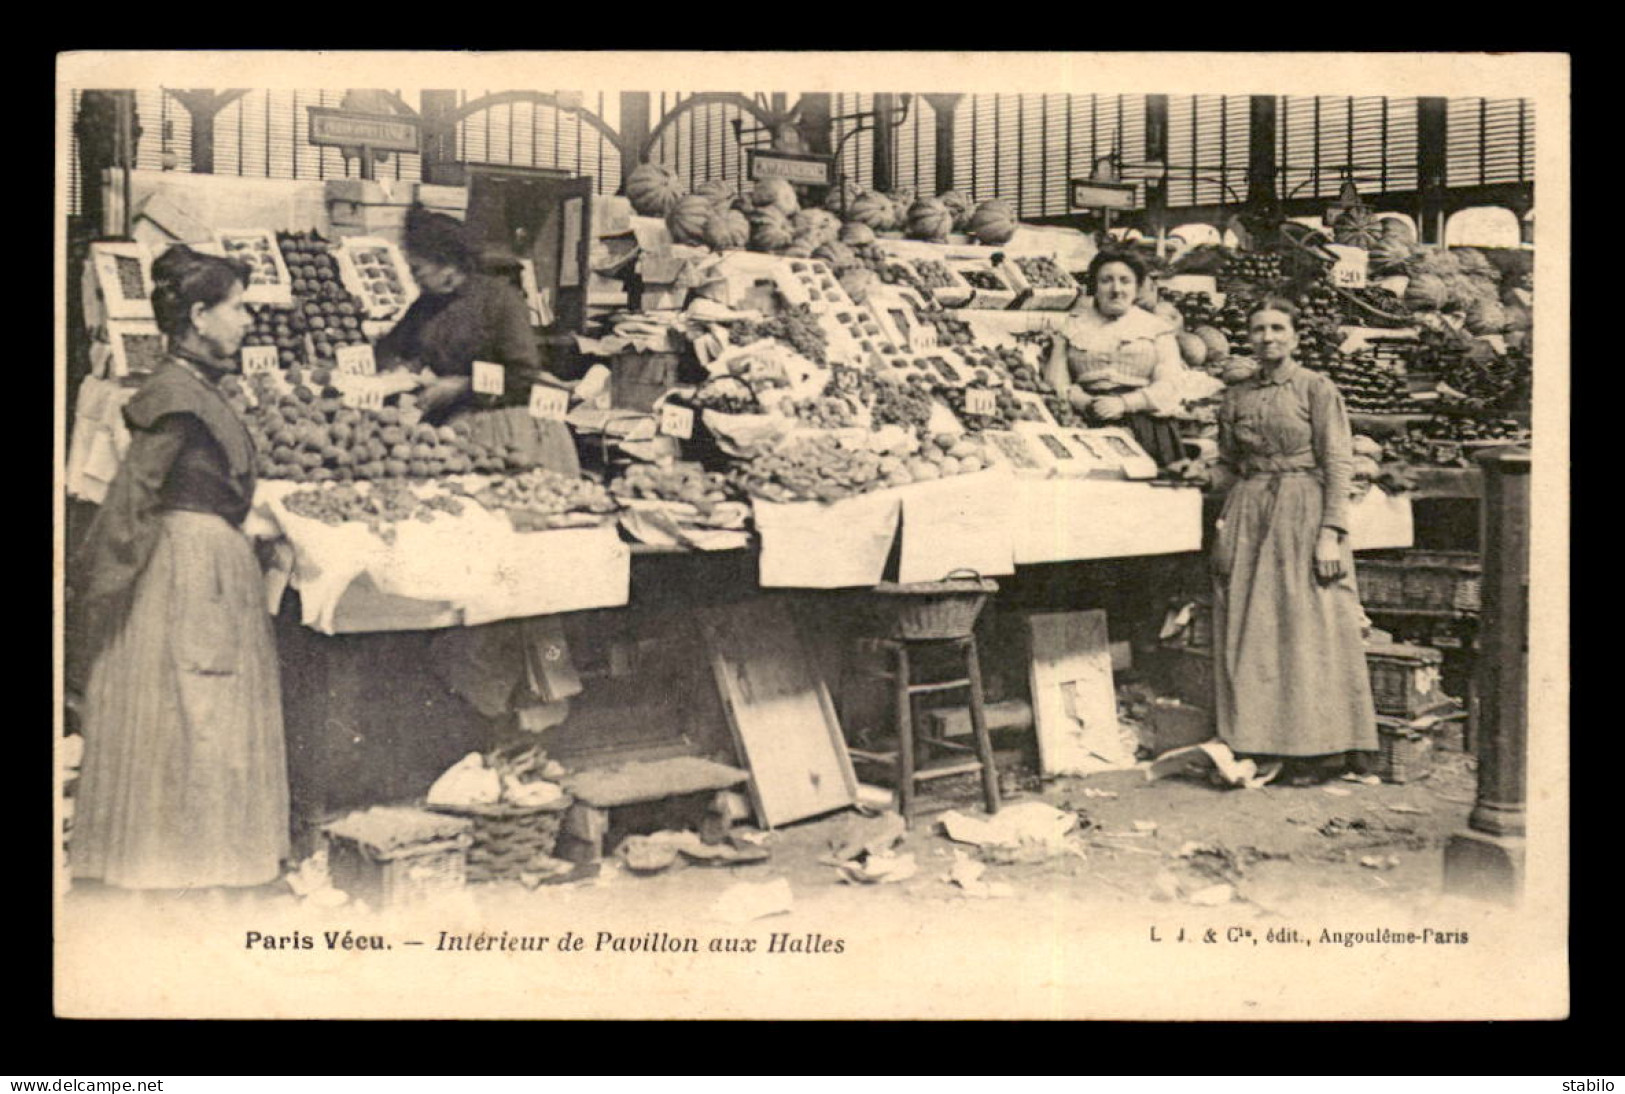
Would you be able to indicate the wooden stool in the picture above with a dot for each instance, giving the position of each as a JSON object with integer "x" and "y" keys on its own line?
{"x": 911, "y": 740}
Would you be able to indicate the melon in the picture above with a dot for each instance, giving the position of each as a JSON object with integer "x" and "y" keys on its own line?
{"x": 716, "y": 192}
{"x": 798, "y": 248}
{"x": 818, "y": 225}
{"x": 838, "y": 255}
{"x": 1357, "y": 228}
{"x": 1486, "y": 317}
{"x": 841, "y": 196}
{"x": 993, "y": 222}
{"x": 770, "y": 229}
{"x": 687, "y": 218}
{"x": 959, "y": 207}
{"x": 873, "y": 210}
{"x": 1218, "y": 346}
{"x": 930, "y": 220}
{"x": 1192, "y": 349}
{"x": 727, "y": 230}
{"x": 653, "y": 189}
{"x": 1426, "y": 292}
{"x": 856, "y": 234}
{"x": 774, "y": 194}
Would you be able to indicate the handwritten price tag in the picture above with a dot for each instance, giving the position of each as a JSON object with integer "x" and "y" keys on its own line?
{"x": 921, "y": 339}
{"x": 979, "y": 400}
{"x": 488, "y": 378}
{"x": 1353, "y": 267}
{"x": 547, "y": 402}
{"x": 258, "y": 359}
{"x": 676, "y": 421}
{"x": 355, "y": 360}
{"x": 366, "y": 398}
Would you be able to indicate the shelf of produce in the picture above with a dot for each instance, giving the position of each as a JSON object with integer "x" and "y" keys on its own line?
{"x": 1448, "y": 482}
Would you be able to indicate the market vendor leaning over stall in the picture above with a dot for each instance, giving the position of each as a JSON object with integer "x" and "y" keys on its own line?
{"x": 184, "y": 782}
{"x": 1289, "y": 665}
{"x": 462, "y": 316}
{"x": 1119, "y": 364}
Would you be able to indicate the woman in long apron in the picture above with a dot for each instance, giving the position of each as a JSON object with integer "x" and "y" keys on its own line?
{"x": 184, "y": 780}
{"x": 1289, "y": 662}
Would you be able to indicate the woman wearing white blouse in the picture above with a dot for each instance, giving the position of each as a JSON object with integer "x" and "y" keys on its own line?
{"x": 1119, "y": 364}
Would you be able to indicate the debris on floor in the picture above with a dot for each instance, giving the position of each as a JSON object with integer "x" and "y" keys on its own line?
{"x": 967, "y": 873}
{"x": 1212, "y": 758}
{"x": 1379, "y": 862}
{"x": 1025, "y": 832}
{"x": 867, "y": 836}
{"x": 1337, "y": 791}
{"x": 747, "y": 901}
{"x": 876, "y": 869}
{"x": 1401, "y": 807}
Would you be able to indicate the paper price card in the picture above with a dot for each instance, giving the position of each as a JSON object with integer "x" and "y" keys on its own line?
{"x": 676, "y": 421}
{"x": 488, "y": 378}
{"x": 367, "y": 398}
{"x": 922, "y": 338}
{"x": 546, "y": 401}
{"x": 979, "y": 400}
{"x": 257, "y": 359}
{"x": 355, "y": 360}
{"x": 1353, "y": 265}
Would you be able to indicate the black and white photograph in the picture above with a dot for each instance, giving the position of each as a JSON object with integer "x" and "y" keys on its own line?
{"x": 698, "y": 535}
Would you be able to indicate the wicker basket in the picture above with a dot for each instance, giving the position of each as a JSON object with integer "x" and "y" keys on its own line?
{"x": 1405, "y": 753}
{"x": 509, "y": 840}
{"x": 1405, "y": 680}
{"x": 927, "y": 610}
{"x": 1436, "y": 581}
{"x": 392, "y": 878}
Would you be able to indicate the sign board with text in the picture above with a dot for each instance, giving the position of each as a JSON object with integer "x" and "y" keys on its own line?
{"x": 801, "y": 169}
{"x": 1086, "y": 194}
{"x": 351, "y": 129}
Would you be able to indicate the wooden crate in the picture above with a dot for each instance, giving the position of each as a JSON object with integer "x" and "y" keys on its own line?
{"x": 1405, "y": 680}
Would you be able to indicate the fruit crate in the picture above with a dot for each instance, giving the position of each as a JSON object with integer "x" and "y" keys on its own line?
{"x": 1041, "y": 297}
{"x": 991, "y": 289}
{"x": 1404, "y": 752}
{"x": 1438, "y": 581}
{"x": 932, "y": 271}
{"x": 637, "y": 380}
{"x": 390, "y": 856}
{"x": 1405, "y": 680}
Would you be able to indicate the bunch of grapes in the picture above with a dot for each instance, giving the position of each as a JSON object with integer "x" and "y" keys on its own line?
{"x": 906, "y": 405}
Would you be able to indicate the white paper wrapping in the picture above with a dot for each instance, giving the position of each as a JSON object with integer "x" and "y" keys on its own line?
{"x": 100, "y": 438}
{"x": 1059, "y": 520}
{"x": 961, "y": 522}
{"x": 811, "y": 545}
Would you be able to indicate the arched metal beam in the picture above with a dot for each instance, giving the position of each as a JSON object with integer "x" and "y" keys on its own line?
{"x": 541, "y": 97}
{"x": 709, "y": 98}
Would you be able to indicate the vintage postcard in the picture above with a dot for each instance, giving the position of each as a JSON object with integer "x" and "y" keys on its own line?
{"x": 812, "y": 535}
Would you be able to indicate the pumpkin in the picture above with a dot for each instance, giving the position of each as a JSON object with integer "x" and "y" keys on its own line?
{"x": 799, "y": 248}
{"x": 959, "y": 207}
{"x": 774, "y": 194}
{"x": 840, "y": 197}
{"x": 818, "y": 225}
{"x": 717, "y": 192}
{"x": 687, "y": 218}
{"x": 874, "y": 210}
{"x": 1426, "y": 292}
{"x": 1357, "y": 228}
{"x": 653, "y": 189}
{"x": 930, "y": 220}
{"x": 856, "y": 234}
{"x": 1398, "y": 230}
{"x": 993, "y": 222}
{"x": 838, "y": 255}
{"x": 1192, "y": 349}
{"x": 727, "y": 230}
{"x": 769, "y": 229}
{"x": 1218, "y": 346}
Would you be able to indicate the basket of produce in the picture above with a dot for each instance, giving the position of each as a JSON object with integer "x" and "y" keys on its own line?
{"x": 931, "y": 609}
{"x": 992, "y": 289}
{"x": 391, "y": 855}
{"x": 513, "y": 808}
{"x": 1405, "y": 680}
{"x": 944, "y": 283}
{"x": 1404, "y": 752}
{"x": 1434, "y": 581}
{"x": 1048, "y": 287}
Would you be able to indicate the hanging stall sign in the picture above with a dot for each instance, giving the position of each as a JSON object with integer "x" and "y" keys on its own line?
{"x": 802, "y": 169}
{"x": 352, "y": 128}
{"x": 1088, "y": 194}
{"x": 356, "y": 360}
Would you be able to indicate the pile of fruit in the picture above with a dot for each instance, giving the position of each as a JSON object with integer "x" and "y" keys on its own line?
{"x": 812, "y": 468}
{"x": 724, "y": 394}
{"x": 951, "y": 329}
{"x": 378, "y": 506}
{"x": 1006, "y": 408}
{"x": 1043, "y": 273}
{"x": 1439, "y": 440}
{"x": 280, "y": 327}
{"x": 684, "y": 483}
{"x": 330, "y": 312}
{"x": 934, "y": 274}
{"x": 1369, "y": 386}
{"x": 1256, "y": 266}
{"x": 382, "y": 279}
{"x": 866, "y": 332}
{"x": 1198, "y": 308}
{"x": 907, "y": 405}
{"x": 547, "y": 494}
{"x": 305, "y": 433}
{"x": 255, "y": 253}
{"x": 796, "y": 326}
{"x": 1481, "y": 379}
{"x": 1319, "y": 313}
{"x": 944, "y": 368}
{"x": 819, "y": 283}
{"x": 983, "y": 279}
{"x": 828, "y": 411}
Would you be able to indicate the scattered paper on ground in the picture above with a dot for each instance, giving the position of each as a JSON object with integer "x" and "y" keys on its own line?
{"x": 1212, "y": 896}
{"x": 875, "y": 869}
{"x": 1027, "y": 832}
{"x": 1213, "y": 756}
{"x": 1379, "y": 862}
{"x": 1091, "y": 792}
{"x": 967, "y": 873}
{"x": 747, "y": 901}
{"x": 1145, "y": 826}
{"x": 1401, "y": 807}
{"x": 1337, "y": 791}
{"x": 868, "y": 835}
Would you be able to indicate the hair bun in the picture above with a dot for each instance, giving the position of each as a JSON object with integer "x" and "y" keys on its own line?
{"x": 174, "y": 264}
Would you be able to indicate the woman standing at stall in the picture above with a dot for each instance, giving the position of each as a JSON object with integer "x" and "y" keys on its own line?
{"x": 1289, "y": 663}
{"x": 1119, "y": 364}
{"x": 184, "y": 781}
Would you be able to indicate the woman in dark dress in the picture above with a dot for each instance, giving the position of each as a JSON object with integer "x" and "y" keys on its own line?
{"x": 184, "y": 780}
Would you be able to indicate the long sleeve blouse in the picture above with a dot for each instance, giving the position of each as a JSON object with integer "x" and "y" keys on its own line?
{"x": 484, "y": 319}
{"x": 1293, "y": 420}
{"x": 1134, "y": 356}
